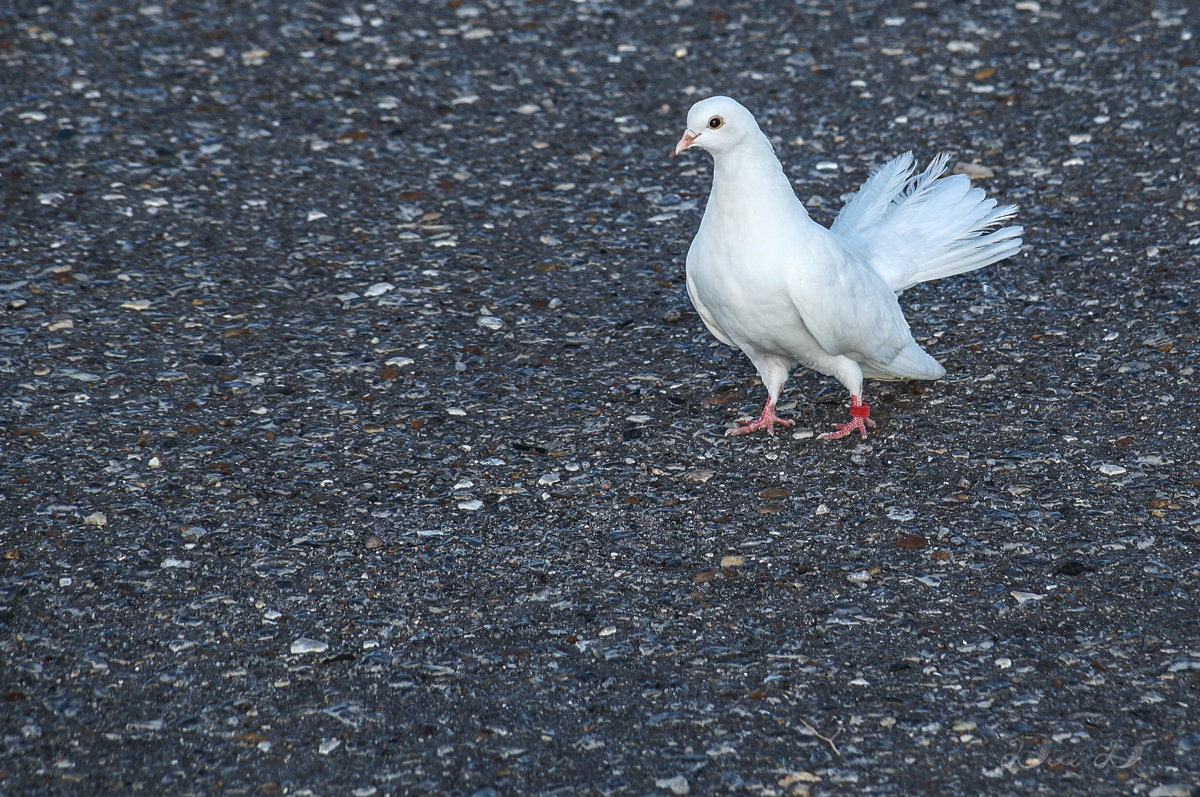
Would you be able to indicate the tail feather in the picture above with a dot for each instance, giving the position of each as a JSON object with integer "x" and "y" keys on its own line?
{"x": 918, "y": 228}
{"x": 877, "y": 195}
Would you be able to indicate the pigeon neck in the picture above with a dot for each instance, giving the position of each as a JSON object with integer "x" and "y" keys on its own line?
{"x": 751, "y": 175}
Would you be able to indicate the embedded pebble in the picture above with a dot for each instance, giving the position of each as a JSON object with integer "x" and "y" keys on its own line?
{"x": 378, "y": 289}
{"x": 676, "y": 785}
{"x": 304, "y": 645}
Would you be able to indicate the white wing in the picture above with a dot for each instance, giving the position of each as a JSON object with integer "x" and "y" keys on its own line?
{"x": 851, "y": 311}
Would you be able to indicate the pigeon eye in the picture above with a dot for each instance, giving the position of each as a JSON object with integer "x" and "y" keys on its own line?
{"x": 715, "y": 122}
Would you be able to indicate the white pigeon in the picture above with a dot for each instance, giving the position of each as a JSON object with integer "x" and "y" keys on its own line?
{"x": 766, "y": 278}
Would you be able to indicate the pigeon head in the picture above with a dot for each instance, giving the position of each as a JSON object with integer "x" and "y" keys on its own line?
{"x": 718, "y": 124}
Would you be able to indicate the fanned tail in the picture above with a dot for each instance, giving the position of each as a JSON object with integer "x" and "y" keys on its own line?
{"x": 918, "y": 228}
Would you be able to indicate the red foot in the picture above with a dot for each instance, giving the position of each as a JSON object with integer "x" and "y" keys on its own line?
{"x": 860, "y": 419}
{"x": 767, "y": 421}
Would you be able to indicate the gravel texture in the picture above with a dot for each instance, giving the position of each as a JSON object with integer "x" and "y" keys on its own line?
{"x": 358, "y": 438}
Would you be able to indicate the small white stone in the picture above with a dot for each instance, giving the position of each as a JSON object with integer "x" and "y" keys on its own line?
{"x": 490, "y": 322}
{"x": 1186, "y": 664}
{"x": 82, "y": 376}
{"x": 379, "y": 289}
{"x": 1172, "y": 790}
{"x": 305, "y": 645}
{"x": 550, "y": 478}
{"x": 470, "y": 506}
{"x": 329, "y": 745}
{"x": 1026, "y": 597}
{"x": 96, "y": 519}
{"x": 254, "y": 57}
{"x": 316, "y": 215}
{"x": 675, "y": 785}
{"x": 1108, "y": 469}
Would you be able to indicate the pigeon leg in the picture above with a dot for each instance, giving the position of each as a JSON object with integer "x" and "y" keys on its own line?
{"x": 860, "y": 419}
{"x": 767, "y": 421}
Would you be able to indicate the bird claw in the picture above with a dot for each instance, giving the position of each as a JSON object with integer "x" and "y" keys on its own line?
{"x": 860, "y": 419}
{"x": 767, "y": 421}
{"x": 844, "y": 429}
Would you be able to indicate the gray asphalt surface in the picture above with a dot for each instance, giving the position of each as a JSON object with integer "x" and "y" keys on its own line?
{"x": 358, "y": 438}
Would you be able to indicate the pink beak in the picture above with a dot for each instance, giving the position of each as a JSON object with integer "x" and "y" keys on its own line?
{"x": 689, "y": 138}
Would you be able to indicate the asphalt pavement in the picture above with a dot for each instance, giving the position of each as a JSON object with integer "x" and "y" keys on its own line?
{"x": 357, "y": 436}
